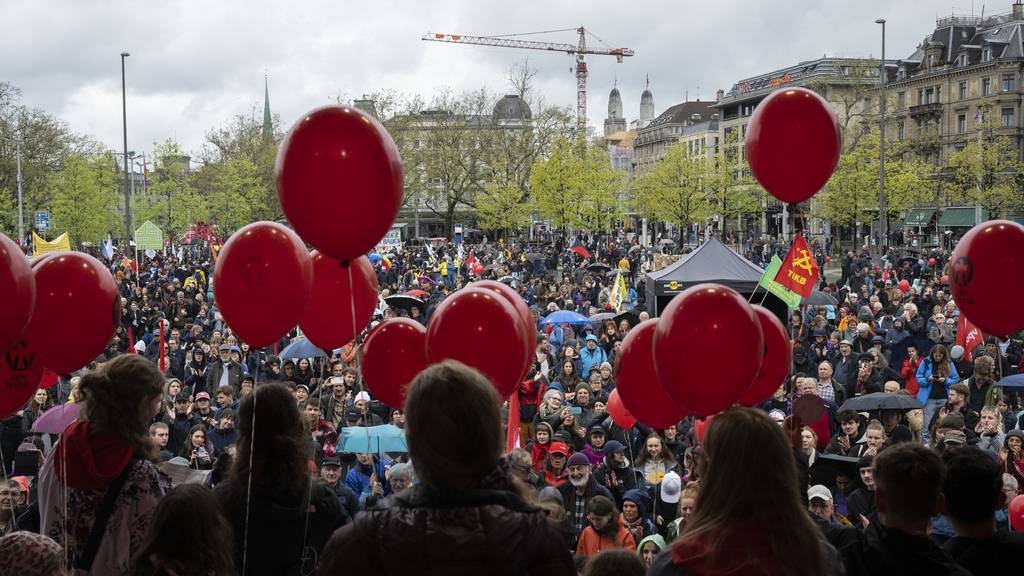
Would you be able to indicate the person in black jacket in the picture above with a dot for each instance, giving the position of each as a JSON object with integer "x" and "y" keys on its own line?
{"x": 908, "y": 482}
{"x": 973, "y": 491}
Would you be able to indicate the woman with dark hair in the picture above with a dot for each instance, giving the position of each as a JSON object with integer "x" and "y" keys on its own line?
{"x": 281, "y": 515}
{"x": 568, "y": 375}
{"x": 303, "y": 372}
{"x": 934, "y": 377}
{"x": 195, "y": 372}
{"x": 655, "y": 460}
{"x": 189, "y": 535}
{"x": 40, "y": 402}
{"x": 453, "y": 430}
{"x": 749, "y": 518}
{"x": 102, "y": 475}
{"x": 196, "y": 449}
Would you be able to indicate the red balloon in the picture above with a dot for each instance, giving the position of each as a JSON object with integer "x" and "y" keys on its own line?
{"x": 77, "y": 310}
{"x": 1016, "y": 512}
{"x": 793, "y": 143}
{"x": 529, "y": 325}
{"x": 931, "y": 261}
{"x": 904, "y": 285}
{"x": 18, "y": 286}
{"x": 700, "y": 427}
{"x": 392, "y": 355}
{"x": 778, "y": 356}
{"x": 262, "y": 282}
{"x": 637, "y": 382}
{"x": 987, "y": 266}
{"x": 828, "y": 259}
{"x": 944, "y": 280}
{"x": 480, "y": 329}
{"x": 20, "y": 373}
{"x": 478, "y": 268}
{"x": 708, "y": 348}
{"x": 338, "y": 293}
{"x": 339, "y": 180}
{"x": 620, "y": 415}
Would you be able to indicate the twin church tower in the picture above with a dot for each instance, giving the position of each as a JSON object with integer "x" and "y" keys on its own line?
{"x": 616, "y": 121}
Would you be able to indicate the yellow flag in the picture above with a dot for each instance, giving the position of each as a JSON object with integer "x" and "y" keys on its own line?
{"x": 619, "y": 291}
{"x": 61, "y": 243}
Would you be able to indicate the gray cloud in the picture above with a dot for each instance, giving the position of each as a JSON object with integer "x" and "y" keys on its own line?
{"x": 195, "y": 64}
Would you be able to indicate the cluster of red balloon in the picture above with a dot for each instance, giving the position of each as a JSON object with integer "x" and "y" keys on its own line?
{"x": 59, "y": 313}
{"x": 709, "y": 350}
{"x": 339, "y": 181}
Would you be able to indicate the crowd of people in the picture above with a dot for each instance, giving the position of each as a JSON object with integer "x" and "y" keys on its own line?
{"x": 196, "y": 454}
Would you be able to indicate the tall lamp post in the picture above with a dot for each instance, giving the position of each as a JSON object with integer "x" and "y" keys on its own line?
{"x": 883, "y": 216}
{"x": 127, "y": 182}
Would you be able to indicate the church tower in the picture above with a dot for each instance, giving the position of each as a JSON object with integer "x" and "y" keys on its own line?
{"x": 268, "y": 123}
{"x": 646, "y": 105}
{"x": 615, "y": 122}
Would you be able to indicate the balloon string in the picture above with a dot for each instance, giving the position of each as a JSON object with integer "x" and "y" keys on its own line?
{"x": 248, "y": 490}
{"x": 352, "y": 302}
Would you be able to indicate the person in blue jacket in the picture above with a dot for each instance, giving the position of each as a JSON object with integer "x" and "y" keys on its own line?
{"x": 591, "y": 356}
{"x": 368, "y": 479}
{"x": 934, "y": 377}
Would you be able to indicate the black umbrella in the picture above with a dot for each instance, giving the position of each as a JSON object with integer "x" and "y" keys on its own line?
{"x": 880, "y": 401}
{"x": 534, "y": 256}
{"x": 490, "y": 267}
{"x": 635, "y": 248}
{"x": 599, "y": 267}
{"x": 827, "y": 466}
{"x": 403, "y": 301}
{"x": 598, "y": 319}
{"x": 628, "y": 315}
{"x": 819, "y": 298}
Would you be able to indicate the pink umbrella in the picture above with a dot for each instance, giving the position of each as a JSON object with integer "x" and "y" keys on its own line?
{"x": 56, "y": 419}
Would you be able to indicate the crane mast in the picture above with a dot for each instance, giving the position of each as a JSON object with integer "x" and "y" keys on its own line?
{"x": 579, "y": 50}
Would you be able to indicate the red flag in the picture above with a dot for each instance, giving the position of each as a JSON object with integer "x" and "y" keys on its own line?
{"x": 131, "y": 264}
{"x": 160, "y": 327}
{"x": 581, "y": 251}
{"x": 799, "y": 270}
{"x": 967, "y": 335}
{"x": 512, "y": 432}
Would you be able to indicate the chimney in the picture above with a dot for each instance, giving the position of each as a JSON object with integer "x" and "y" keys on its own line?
{"x": 719, "y": 95}
{"x": 1018, "y": 10}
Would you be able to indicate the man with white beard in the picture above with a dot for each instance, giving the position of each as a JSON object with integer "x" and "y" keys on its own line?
{"x": 580, "y": 488}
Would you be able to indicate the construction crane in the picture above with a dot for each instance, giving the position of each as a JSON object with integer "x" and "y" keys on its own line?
{"x": 579, "y": 50}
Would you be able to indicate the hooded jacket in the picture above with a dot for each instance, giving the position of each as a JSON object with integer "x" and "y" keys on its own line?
{"x": 613, "y": 535}
{"x": 539, "y": 451}
{"x": 590, "y": 359}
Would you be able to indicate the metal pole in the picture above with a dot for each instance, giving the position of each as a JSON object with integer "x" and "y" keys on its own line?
{"x": 21, "y": 214}
{"x": 127, "y": 183}
{"x": 883, "y": 216}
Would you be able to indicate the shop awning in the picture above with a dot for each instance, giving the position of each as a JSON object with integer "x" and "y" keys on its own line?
{"x": 960, "y": 217}
{"x": 919, "y": 217}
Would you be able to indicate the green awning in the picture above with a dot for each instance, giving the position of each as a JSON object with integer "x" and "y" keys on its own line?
{"x": 960, "y": 217}
{"x": 919, "y": 216}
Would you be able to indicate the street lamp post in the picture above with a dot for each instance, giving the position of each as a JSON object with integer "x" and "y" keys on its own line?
{"x": 883, "y": 216}
{"x": 21, "y": 214}
{"x": 127, "y": 182}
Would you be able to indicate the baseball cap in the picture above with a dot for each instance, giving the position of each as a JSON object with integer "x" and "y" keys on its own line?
{"x": 181, "y": 398}
{"x": 559, "y": 448}
{"x": 844, "y": 341}
{"x": 866, "y": 357}
{"x": 955, "y": 437}
{"x": 331, "y": 461}
{"x": 595, "y": 429}
{"x": 819, "y": 491}
{"x": 225, "y": 347}
{"x": 202, "y": 396}
{"x": 671, "y": 487}
{"x": 364, "y": 396}
{"x": 613, "y": 447}
{"x": 353, "y": 414}
{"x": 578, "y": 459}
{"x": 877, "y": 340}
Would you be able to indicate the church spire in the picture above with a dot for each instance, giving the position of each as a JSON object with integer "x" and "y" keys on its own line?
{"x": 268, "y": 124}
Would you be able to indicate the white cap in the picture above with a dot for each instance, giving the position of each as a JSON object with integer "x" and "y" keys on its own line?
{"x": 364, "y": 396}
{"x": 819, "y": 491}
{"x": 671, "y": 487}
{"x": 140, "y": 347}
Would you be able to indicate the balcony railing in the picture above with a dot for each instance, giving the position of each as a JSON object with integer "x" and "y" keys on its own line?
{"x": 933, "y": 108}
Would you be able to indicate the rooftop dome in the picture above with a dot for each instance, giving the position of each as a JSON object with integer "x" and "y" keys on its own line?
{"x": 512, "y": 107}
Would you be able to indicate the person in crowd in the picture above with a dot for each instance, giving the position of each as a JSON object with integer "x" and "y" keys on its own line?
{"x": 161, "y": 435}
{"x": 820, "y": 503}
{"x": 649, "y": 548}
{"x": 280, "y": 517}
{"x": 860, "y": 504}
{"x": 580, "y": 488}
{"x": 555, "y": 467}
{"x": 39, "y": 403}
{"x": 225, "y": 433}
{"x": 1012, "y": 456}
{"x": 731, "y": 529}
{"x": 973, "y": 491}
{"x": 934, "y": 377}
{"x": 687, "y": 501}
{"x": 843, "y": 443}
{"x": 908, "y": 480}
{"x": 196, "y": 372}
{"x": 226, "y": 372}
{"x": 188, "y": 535}
{"x": 102, "y": 475}
{"x": 332, "y": 474}
{"x": 636, "y": 508}
{"x": 656, "y": 460}
{"x": 455, "y": 442}
{"x": 541, "y": 445}
{"x": 24, "y": 553}
{"x": 368, "y": 479}
{"x": 605, "y": 529}
{"x": 989, "y": 430}
{"x": 591, "y": 356}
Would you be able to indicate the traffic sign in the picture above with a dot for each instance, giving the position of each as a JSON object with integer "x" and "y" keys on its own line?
{"x": 42, "y": 220}
{"x": 149, "y": 237}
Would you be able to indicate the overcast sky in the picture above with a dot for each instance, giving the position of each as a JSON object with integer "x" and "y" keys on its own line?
{"x": 195, "y": 64}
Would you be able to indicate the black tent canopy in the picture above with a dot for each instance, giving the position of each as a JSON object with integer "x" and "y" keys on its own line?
{"x": 714, "y": 262}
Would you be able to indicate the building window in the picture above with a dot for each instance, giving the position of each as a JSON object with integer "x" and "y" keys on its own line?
{"x": 986, "y": 86}
{"x": 938, "y": 93}
{"x": 931, "y": 60}
{"x": 929, "y": 96}
{"x": 961, "y": 123}
{"x": 1008, "y": 118}
{"x": 962, "y": 88}
{"x": 899, "y": 130}
{"x": 1008, "y": 83}
{"x": 901, "y": 100}
{"x": 901, "y": 73}
{"x": 961, "y": 60}
{"x": 920, "y": 96}
{"x": 986, "y": 55}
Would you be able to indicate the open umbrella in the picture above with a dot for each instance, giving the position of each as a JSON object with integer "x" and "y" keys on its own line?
{"x": 510, "y": 280}
{"x": 819, "y": 298}
{"x": 374, "y": 258}
{"x": 598, "y": 319}
{"x": 403, "y": 301}
{"x": 427, "y": 279}
{"x": 1014, "y": 381}
{"x": 534, "y": 256}
{"x": 373, "y": 439}
{"x": 635, "y": 248}
{"x": 566, "y": 317}
{"x": 301, "y": 348}
{"x": 599, "y": 267}
{"x": 827, "y": 466}
{"x": 490, "y": 267}
{"x": 880, "y": 401}
{"x": 629, "y": 316}
{"x": 56, "y": 419}
{"x": 417, "y": 293}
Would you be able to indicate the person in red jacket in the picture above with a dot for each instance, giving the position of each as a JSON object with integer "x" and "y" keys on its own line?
{"x": 909, "y": 370}
{"x": 606, "y": 531}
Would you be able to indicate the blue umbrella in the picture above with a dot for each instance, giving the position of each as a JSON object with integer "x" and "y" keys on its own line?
{"x": 301, "y": 348}
{"x": 374, "y": 258}
{"x": 373, "y": 439}
{"x": 566, "y": 317}
{"x": 1014, "y": 381}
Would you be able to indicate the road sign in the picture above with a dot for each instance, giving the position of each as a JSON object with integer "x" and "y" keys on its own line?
{"x": 42, "y": 220}
{"x": 149, "y": 237}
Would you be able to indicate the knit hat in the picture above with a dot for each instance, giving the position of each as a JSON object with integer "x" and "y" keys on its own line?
{"x": 604, "y": 365}
{"x": 613, "y": 447}
{"x": 578, "y": 459}
{"x": 954, "y": 437}
{"x": 28, "y": 554}
{"x": 550, "y": 493}
{"x": 582, "y": 386}
{"x": 551, "y": 393}
{"x": 953, "y": 421}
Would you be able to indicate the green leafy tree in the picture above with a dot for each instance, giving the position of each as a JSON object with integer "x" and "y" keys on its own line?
{"x": 241, "y": 139}
{"x": 731, "y": 190}
{"x": 674, "y": 191}
{"x": 81, "y": 196}
{"x": 600, "y": 188}
{"x": 988, "y": 172}
{"x": 555, "y": 185}
{"x": 170, "y": 201}
{"x": 232, "y": 190}
{"x": 500, "y": 207}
